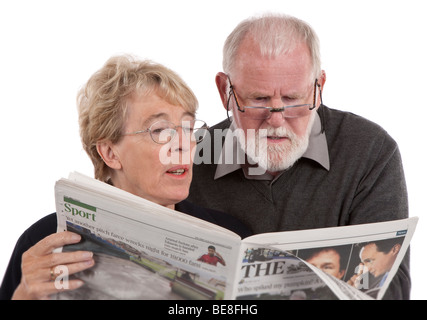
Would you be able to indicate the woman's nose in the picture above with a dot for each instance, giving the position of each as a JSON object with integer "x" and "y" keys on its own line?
{"x": 181, "y": 141}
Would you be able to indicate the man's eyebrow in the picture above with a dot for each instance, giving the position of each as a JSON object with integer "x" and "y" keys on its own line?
{"x": 257, "y": 94}
{"x": 327, "y": 264}
{"x": 294, "y": 96}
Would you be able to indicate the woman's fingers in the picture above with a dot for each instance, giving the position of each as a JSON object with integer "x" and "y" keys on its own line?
{"x": 43, "y": 290}
{"x": 40, "y": 257}
{"x": 42, "y": 267}
{"x": 64, "y": 270}
{"x": 65, "y": 258}
{"x": 39, "y": 269}
{"x": 54, "y": 241}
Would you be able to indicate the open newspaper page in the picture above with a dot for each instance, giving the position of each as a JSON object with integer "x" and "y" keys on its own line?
{"x": 329, "y": 263}
{"x": 146, "y": 251}
{"x": 143, "y": 250}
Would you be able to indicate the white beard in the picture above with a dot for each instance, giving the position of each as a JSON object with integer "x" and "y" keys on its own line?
{"x": 275, "y": 157}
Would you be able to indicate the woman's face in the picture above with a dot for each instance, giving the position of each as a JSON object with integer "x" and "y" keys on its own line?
{"x": 160, "y": 173}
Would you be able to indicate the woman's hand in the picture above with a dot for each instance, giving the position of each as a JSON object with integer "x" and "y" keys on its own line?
{"x": 39, "y": 264}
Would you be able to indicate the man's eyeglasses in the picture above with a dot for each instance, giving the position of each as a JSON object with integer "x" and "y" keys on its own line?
{"x": 262, "y": 113}
{"x": 163, "y": 131}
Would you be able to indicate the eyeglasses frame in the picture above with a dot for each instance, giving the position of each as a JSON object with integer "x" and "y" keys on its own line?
{"x": 313, "y": 106}
{"x": 175, "y": 130}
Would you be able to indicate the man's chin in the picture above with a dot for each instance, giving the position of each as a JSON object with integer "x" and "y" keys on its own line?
{"x": 274, "y": 168}
{"x": 277, "y": 163}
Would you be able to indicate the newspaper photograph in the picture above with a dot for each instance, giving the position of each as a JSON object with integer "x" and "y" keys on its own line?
{"x": 271, "y": 274}
{"x": 353, "y": 262}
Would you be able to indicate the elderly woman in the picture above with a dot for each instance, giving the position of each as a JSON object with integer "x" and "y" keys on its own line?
{"x": 138, "y": 126}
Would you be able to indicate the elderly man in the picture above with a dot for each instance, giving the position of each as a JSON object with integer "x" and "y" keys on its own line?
{"x": 304, "y": 165}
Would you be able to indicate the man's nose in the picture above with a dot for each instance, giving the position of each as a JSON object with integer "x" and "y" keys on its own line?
{"x": 276, "y": 119}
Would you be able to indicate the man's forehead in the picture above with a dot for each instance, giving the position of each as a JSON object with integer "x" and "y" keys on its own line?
{"x": 282, "y": 71}
{"x": 251, "y": 51}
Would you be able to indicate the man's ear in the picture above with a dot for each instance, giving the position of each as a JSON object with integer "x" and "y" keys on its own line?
{"x": 221, "y": 81}
{"x": 322, "y": 79}
{"x": 396, "y": 249}
{"x": 320, "y": 85}
{"x": 107, "y": 152}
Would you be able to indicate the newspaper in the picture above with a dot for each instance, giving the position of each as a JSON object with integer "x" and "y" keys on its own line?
{"x": 146, "y": 251}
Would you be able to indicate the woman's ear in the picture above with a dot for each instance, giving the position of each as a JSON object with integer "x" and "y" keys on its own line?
{"x": 107, "y": 152}
{"x": 221, "y": 81}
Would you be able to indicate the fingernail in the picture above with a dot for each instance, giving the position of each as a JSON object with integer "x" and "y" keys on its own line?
{"x": 90, "y": 262}
{"x": 75, "y": 237}
{"x": 87, "y": 255}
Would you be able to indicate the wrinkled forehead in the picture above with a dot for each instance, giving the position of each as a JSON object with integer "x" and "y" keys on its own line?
{"x": 251, "y": 61}
{"x": 288, "y": 74}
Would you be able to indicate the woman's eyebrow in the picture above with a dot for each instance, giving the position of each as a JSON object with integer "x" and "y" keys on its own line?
{"x": 164, "y": 116}
{"x": 188, "y": 114}
{"x": 155, "y": 117}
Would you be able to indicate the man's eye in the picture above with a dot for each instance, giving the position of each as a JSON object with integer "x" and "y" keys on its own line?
{"x": 288, "y": 100}
{"x": 258, "y": 101}
{"x": 261, "y": 98}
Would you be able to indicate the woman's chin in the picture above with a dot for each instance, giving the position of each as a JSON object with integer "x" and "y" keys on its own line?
{"x": 176, "y": 196}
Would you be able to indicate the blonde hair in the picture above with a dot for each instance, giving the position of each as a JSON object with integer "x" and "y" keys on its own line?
{"x": 276, "y": 34}
{"x": 102, "y": 101}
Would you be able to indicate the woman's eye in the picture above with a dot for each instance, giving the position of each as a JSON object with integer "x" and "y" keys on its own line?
{"x": 158, "y": 130}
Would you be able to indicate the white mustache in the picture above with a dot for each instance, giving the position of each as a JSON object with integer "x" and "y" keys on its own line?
{"x": 276, "y": 132}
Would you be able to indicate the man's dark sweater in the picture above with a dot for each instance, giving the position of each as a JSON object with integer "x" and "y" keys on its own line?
{"x": 365, "y": 183}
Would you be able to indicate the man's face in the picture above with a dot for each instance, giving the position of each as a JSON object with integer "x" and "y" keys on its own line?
{"x": 328, "y": 261}
{"x": 274, "y": 82}
{"x": 378, "y": 263}
{"x": 211, "y": 252}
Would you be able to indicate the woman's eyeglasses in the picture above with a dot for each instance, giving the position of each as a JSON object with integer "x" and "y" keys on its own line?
{"x": 163, "y": 131}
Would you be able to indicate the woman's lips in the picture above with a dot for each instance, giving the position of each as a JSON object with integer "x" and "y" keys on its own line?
{"x": 178, "y": 171}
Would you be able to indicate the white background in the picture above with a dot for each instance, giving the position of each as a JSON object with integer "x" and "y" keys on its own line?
{"x": 374, "y": 54}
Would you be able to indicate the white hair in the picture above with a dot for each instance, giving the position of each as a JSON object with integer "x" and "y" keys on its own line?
{"x": 276, "y": 34}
